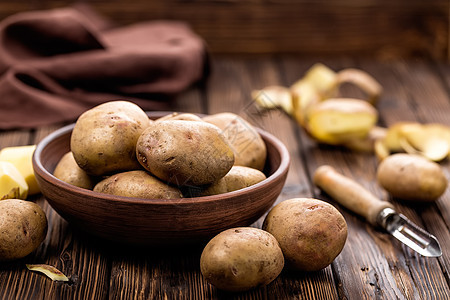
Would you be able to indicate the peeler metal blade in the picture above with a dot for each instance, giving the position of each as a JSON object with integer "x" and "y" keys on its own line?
{"x": 409, "y": 233}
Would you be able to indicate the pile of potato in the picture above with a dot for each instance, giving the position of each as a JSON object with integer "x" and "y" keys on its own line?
{"x": 302, "y": 234}
{"x": 116, "y": 149}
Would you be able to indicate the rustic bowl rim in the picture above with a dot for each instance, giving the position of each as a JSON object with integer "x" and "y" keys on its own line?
{"x": 48, "y": 176}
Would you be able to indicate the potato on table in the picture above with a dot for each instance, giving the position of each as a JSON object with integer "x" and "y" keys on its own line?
{"x": 412, "y": 177}
{"x": 184, "y": 152}
{"x": 242, "y": 258}
{"x": 104, "y": 138}
{"x": 138, "y": 184}
{"x": 311, "y": 232}
{"x": 23, "y": 227}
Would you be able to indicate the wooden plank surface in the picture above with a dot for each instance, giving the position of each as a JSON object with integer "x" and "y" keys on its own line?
{"x": 371, "y": 265}
{"x": 385, "y": 28}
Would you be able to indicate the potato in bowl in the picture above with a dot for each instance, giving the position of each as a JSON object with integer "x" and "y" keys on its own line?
{"x": 157, "y": 221}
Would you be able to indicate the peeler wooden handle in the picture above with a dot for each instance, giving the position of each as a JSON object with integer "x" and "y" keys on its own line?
{"x": 349, "y": 193}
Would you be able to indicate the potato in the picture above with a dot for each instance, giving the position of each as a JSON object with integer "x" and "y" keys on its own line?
{"x": 241, "y": 177}
{"x": 218, "y": 187}
{"x": 184, "y": 152}
{"x": 23, "y": 227}
{"x": 242, "y": 258}
{"x": 411, "y": 177}
{"x": 338, "y": 120}
{"x": 237, "y": 178}
{"x": 311, "y": 232}
{"x": 12, "y": 183}
{"x": 68, "y": 171}
{"x": 138, "y": 184}
{"x": 104, "y": 138}
{"x": 248, "y": 146}
{"x": 21, "y": 158}
{"x": 183, "y": 116}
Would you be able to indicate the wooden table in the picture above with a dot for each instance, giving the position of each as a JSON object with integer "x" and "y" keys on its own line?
{"x": 372, "y": 265}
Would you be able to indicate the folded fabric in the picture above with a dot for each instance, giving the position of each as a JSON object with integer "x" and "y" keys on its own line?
{"x": 56, "y": 64}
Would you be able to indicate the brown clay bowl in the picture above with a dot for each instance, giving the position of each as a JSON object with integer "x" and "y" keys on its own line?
{"x": 154, "y": 221}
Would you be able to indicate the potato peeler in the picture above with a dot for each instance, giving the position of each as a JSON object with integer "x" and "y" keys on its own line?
{"x": 356, "y": 198}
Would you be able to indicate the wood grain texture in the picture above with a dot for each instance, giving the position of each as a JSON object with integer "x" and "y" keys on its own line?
{"x": 230, "y": 90}
{"x": 388, "y": 266}
{"x": 383, "y": 28}
{"x": 372, "y": 265}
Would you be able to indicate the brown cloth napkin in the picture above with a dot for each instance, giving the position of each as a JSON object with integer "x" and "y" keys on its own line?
{"x": 56, "y": 64}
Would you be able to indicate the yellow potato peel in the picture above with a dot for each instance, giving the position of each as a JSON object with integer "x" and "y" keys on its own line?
{"x": 50, "y": 271}
{"x": 322, "y": 79}
{"x": 429, "y": 140}
{"x": 368, "y": 143}
{"x": 304, "y": 96}
{"x": 345, "y": 124}
{"x": 338, "y": 120}
{"x": 274, "y": 96}
{"x": 362, "y": 80}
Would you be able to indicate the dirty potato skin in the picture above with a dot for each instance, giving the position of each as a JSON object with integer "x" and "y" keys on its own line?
{"x": 216, "y": 188}
{"x": 242, "y": 258}
{"x": 237, "y": 178}
{"x": 184, "y": 152}
{"x": 178, "y": 116}
{"x": 241, "y": 177}
{"x": 104, "y": 138}
{"x": 248, "y": 146}
{"x": 138, "y": 184}
{"x": 411, "y": 177}
{"x": 68, "y": 171}
{"x": 23, "y": 227}
{"x": 311, "y": 232}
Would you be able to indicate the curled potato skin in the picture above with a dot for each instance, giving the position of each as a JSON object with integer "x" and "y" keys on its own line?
{"x": 23, "y": 227}
{"x": 184, "y": 152}
{"x": 239, "y": 259}
{"x": 411, "y": 177}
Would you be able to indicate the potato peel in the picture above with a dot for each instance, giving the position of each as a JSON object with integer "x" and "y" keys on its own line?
{"x": 338, "y": 120}
{"x": 362, "y": 80}
{"x": 322, "y": 79}
{"x": 50, "y": 271}
{"x": 274, "y": 96}
{"x": 368, "y": 143}
{"x": 431, "y": 141}
{"x": 304, "y": 96}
